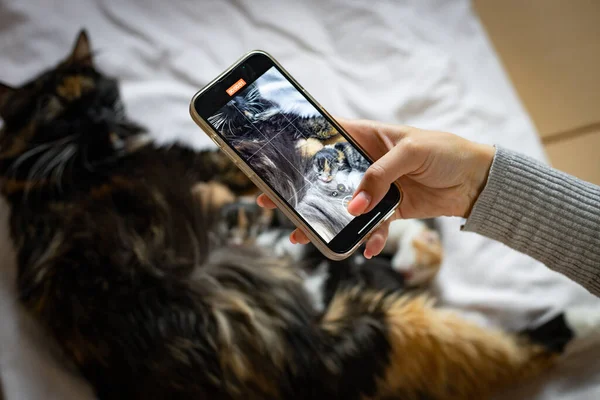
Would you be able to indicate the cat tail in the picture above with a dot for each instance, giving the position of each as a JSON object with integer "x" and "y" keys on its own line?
{"x": 421, "y": 352}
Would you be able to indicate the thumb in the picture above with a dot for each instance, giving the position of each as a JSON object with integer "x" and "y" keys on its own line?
{"x": 379, "y": 177}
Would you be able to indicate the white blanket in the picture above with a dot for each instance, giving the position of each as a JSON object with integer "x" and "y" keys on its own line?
{"x": 422, "y": 62}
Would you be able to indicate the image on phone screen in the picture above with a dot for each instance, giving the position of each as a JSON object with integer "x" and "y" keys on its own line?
{"x": 294, "y": 149}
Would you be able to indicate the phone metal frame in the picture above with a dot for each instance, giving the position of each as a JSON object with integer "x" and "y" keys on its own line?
{"x": 258, "y": 181}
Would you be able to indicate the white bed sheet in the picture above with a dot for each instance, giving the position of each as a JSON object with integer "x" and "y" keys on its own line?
{"x": 422, "y": 62}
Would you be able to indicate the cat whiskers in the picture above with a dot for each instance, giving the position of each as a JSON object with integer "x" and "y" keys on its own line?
{"x": 218, "y": 120}
{"x": 222, "y": 123}
{"x": 253, "y": 94}
{"x": 229, "y": 126}
{"x": 63, "y": 160}
{"x": 254, "y": 107}
{"x": 32, "y": 152}
{"x": 37, "y": 166}
{"x": 58, "y": 154}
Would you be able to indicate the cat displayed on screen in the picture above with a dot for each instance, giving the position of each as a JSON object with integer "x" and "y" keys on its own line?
{"x": 291, "y": 146}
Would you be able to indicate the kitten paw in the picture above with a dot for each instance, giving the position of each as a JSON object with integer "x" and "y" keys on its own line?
{"x": 572, "y": 324}
{"x": 554, "y": 334}
{"x": 584, "y": 321}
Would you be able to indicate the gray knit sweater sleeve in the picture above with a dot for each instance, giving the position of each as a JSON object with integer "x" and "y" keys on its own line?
{"x": 544, "y": 213}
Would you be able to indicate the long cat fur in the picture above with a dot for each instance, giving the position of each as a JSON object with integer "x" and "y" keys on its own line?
{"x": 115, "y": 262}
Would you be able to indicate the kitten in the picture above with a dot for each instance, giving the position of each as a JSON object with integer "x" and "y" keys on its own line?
{"x": 115, "y": 260}
{"x": 335, "y": 158}
{"x": 337, "y": 170}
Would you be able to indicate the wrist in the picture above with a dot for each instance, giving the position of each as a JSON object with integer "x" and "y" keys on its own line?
{"x": 483, "y": 157}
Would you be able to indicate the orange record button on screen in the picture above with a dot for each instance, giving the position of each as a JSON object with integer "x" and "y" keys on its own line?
{"x": 235, "y": 87}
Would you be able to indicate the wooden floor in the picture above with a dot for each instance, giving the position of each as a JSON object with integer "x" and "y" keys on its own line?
{"x": 551, "y": 51}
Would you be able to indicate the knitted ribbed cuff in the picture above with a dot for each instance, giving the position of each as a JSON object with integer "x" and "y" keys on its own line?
{"x": 544, "y": 213}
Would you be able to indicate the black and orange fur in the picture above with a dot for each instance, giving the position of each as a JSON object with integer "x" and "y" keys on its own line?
{"x": 115, "y": 261}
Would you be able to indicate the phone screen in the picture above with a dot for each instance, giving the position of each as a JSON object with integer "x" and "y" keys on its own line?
{"x": 294, "y": 149}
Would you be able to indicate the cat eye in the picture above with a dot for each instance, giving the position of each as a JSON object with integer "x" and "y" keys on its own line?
{"x": 49, "y": 106}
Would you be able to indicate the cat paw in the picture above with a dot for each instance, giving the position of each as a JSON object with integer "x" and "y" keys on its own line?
{"x": 554, "y": 335}
{"x": 571, "y": 324}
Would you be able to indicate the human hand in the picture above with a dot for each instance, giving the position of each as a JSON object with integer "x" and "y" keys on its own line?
{"x": 441, "y": 174}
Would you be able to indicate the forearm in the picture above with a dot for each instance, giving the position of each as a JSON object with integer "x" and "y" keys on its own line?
{"x": 544, "y": 213}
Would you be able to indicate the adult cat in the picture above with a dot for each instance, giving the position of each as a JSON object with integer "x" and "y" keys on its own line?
{"x": 115, "y": 261}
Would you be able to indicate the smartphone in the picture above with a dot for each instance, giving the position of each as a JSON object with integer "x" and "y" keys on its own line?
{"x": 292, "y": 149}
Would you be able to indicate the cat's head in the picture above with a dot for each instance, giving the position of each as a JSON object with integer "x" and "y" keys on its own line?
{"x": 326, "y": 163}
{"x": 68, "y": 118}
{"x": 324, "y": 168}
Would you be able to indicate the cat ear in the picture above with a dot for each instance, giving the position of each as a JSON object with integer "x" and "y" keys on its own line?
{"x": 81, "y": 53}
{"x": 5, "y": 93}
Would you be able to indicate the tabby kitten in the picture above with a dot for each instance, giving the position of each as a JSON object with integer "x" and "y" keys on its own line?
{"x": 115, "y": 261}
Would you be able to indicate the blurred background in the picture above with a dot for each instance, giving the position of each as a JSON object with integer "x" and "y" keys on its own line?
{"x": 551, "y": 51}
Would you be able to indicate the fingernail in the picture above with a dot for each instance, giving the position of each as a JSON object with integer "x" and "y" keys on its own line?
{"x": 359, "y": 203}
{"x": 367, "y": 255}
{"x": 293, "y": 238}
